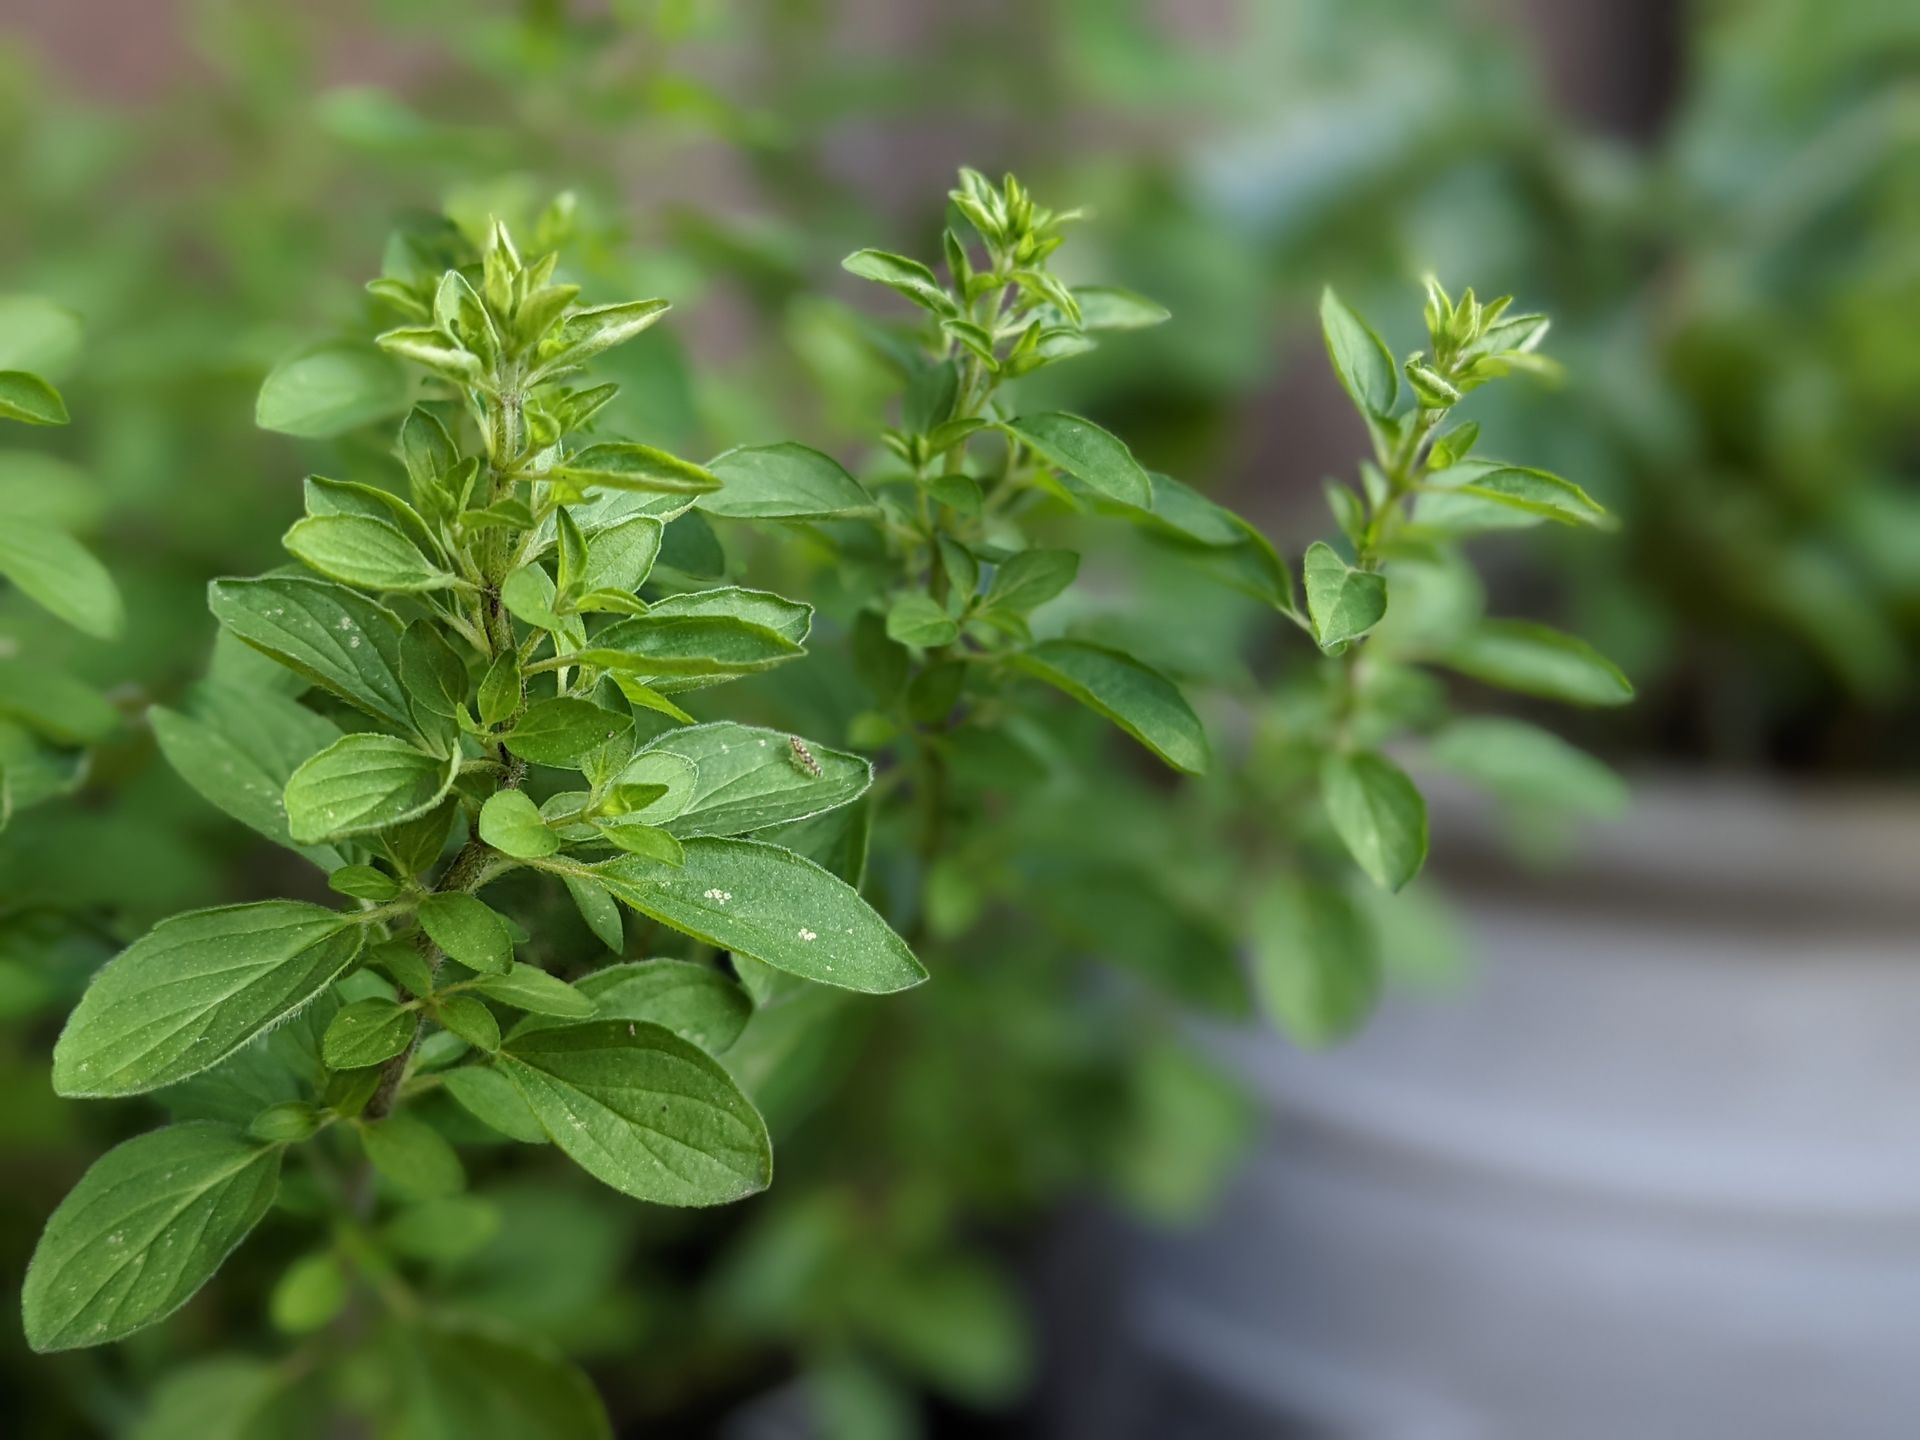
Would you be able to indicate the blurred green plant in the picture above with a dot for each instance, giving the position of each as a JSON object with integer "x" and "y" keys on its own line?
{"x": 46, "y": 714}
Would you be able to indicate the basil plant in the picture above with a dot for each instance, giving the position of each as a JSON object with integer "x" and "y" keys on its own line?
{"x": 470, "y": 688}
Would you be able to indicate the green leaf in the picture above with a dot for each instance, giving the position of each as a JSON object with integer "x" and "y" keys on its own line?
{"x": 1107, "y": 307}
{"x": 907, "y": 277}
{"x": 470, "y": 1019}
{"x": 695, "y": 1001}
{"x": 1343, "y": 603}
{"x": 748, "y": 778}
{"x": 785, "y": 482}
{"x": 62, "y": 707}
{"x": 622, "y": 465}
{"x": 364, "y": 882}
{"x": 370, "y": 502}
{"x": 1379, "y": 815}
{"x": 1528, "y": 767}
{"x": 432, "y": 670}
{"x": 195, "y": 988}
{"x": 586, "y": 333}
{"x": 511, "y": 823}
{"x": 432, "y": 350}
{"x": 560, "y": 731}
{"x": 1140, "y": 700}
{"x": 645, "y": 840}
{"x": 330, "y": 389}
{"x": 145, "y": 1228}
{"x": 367, "y": 1032}
{"x": 413, "y": 1156}
{"x": 598, "y": 910}
{"x": 529, "y": 988}
{"x": 368, "y": 553}
{"x": 679, "y": 646}
{"x": 336, "y": 637}
{"x": 916, "y": 618}
{"x": 1087, "y": 453}
{"x": 57, "y": 571}
{"x": 1536, "y": 660}
{"x": 446, "y": 1230}
{"x": 621, "y": 556}
{"x": 1474, "y": 495}
{"x": 642, "y": 1110}
{"x": 491, "y": 1098}
{"x": 472, "y": 1383}
{"x": 363, "y": 783}
{"x": 1360, "y": 358}
{"x": 1316, "y": 967}
{"x": 309, "y": 1296}
{"x": 27, "y": 398}
{"x": 468, "y": 931}
{"x": 769, "y": 905}
{"x": 789, "y": 619}
{"x": 1031, "y": 578}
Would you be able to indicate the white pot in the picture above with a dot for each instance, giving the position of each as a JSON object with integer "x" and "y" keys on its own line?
{"x": 1655, "y": 1172}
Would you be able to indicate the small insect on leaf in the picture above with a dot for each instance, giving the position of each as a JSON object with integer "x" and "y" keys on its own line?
{"x": 801, "y": 756}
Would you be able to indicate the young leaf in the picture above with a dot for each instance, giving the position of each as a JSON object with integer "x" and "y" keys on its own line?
{"x": 432, "y": 670}
{"x": 1316, "y": 967}
{"x": 371, "y": 554}
{"x": 1378, "y": 813}
{"x": 1474, "y": 496}
{"x": 333, "y": 636}
{"x": 470, "y": 1019}
{"x": 330, "y": 389}
{"x": 620, "y": 556}
{"x": 1140, "y": 700}
{"x": 1087, "y": 453}
{"x": 29, "y": 399}
{"x": 785, "y": 482}
{"x": 529, "y": 988}
{"x": 145, "y": 1228}
{"x": 790, "y": 619}
{"x": 916, "y": 618}
{"x": 695, "y": 1001}
{"x": 586, "y": 333}
{"x": 747, "y": 778}
{"x": 1536, "y": 660}
{"x": 907, "y": 277}
{"x": 598, "y": 910}
{"x": 770, "y": 905}
{"x": 1107, "y": 307}
{"x": 413, "y": 1156}
{"x": 1360, "y": 358}
{"x": 367, "y": 1032}
{"x": 1031, "y": 578}
{"x": 363, "y": 783}
{"x": 642, "y": 1110}
{"x": 195, "y": 988}
{"x": 622, "y": 465}
{"x": 656, "y": 645}
{"x": 560, "y": 731}
{"x": 1343, "y": 603}
{"x": 511, "y": 823}
{"x": 645, "y": 840}
{"x": 468, "y": 931}
{"x": 56, "y": 571}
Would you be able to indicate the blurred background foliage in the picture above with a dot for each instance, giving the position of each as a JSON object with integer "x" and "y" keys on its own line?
{"x": 1719, "y": 203}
